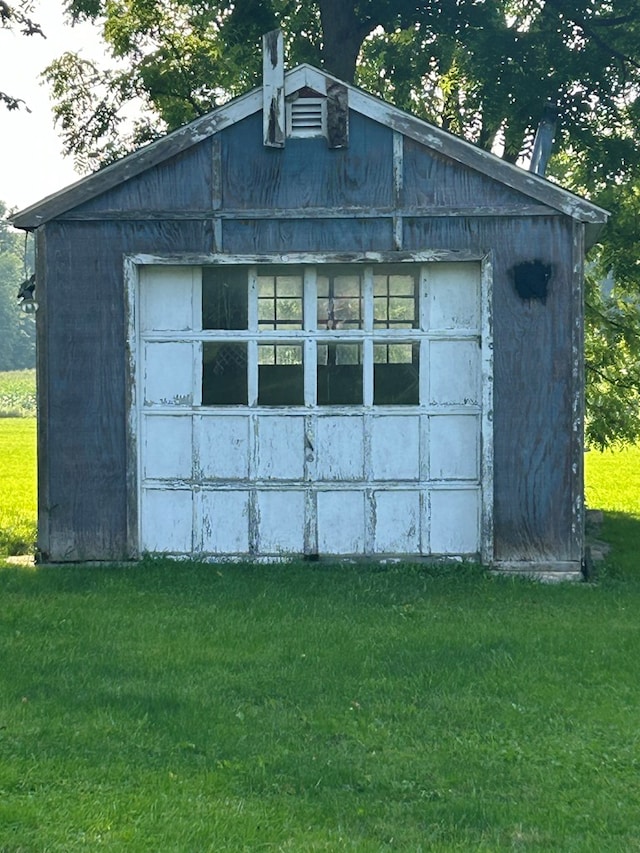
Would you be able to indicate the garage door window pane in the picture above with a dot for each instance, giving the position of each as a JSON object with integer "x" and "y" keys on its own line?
{"x": 280, "y": 301}
{"x": 280, "y": 375}
{"x": 396, "y": 373}
{"x": 339, "y": 301}
{"x": 224, "y": 298}
{"x": 394, "y": 301}
{"x": 224, "y": 374}
{"x": 339, "y": 374}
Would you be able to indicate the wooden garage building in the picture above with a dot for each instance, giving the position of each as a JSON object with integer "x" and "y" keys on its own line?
{"x": 309, "y": 323}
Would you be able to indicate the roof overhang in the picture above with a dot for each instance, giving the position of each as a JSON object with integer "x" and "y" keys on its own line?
{"x": 432, "y": 137}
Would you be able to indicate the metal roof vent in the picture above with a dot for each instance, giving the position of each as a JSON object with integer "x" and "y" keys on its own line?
{"x": 307, "y": 115}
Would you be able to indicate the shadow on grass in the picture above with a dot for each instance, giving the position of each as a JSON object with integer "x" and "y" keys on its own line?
{"x": 621, "y": 531}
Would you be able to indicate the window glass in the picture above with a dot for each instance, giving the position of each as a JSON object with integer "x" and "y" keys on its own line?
{"x": 396, "y": 372}
{"x": 339, "y": 374}
{"x": 280, "y": 375}
{"x": 224, "y": 374}
{"x": 224, "y": 298}
{"x": 340, "y": 301}
{"x": 395, "y": 301}
{"x": 280, "y": 301}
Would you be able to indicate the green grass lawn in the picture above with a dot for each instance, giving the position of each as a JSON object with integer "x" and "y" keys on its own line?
{"x": 186, "y": 707}
{"x": 182, "y": 707}
{"x": 613, "y": 485}
{"x": 17, "y": 485}
{"x": 17, "y": 462}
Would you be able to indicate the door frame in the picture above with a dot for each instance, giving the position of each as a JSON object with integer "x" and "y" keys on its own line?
{"x": 132, "y": 264}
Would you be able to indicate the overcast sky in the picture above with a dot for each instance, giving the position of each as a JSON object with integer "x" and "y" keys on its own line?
{"x": 31, "y": 163}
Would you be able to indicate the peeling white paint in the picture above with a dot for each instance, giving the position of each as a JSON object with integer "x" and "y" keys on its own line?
{"x": 343, "y": 480}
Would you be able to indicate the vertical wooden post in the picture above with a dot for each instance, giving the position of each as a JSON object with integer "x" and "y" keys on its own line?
{"x": 273, "y": 110}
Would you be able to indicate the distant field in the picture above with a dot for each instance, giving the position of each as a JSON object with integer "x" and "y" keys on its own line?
{"x": 613, "y": 485}
{"x": 17, "y": 485}
{"x": 17, "y": 393}
{"x": 613, "y": 480}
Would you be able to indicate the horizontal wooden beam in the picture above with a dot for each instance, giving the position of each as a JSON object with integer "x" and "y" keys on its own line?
{"x": 425, "y": 256}
{"x": 309, "y": 213}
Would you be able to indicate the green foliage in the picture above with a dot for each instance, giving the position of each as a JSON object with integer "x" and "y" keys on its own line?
{"x": 612, "y": 362}
{"x": 17, "y": 485}
{"x": 484, "y": 70}
{"x": 17, "y": 394}
{"x": 17, "y": 16}
{"x": 17, "y": 330}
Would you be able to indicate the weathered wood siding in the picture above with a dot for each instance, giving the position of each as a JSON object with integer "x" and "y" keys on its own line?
{"x": 231, "y": 194}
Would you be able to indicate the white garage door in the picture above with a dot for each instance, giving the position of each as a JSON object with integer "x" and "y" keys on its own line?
{"x": 310, "y": 409}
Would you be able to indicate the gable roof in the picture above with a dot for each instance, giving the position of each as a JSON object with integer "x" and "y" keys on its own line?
{"x": 429, "y": 135}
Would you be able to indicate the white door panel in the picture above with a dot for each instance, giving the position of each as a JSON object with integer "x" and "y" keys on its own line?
{"x": 281, "y": 522}
{"x": 397, "y": 522}
{"x": 360, "y": 463}
{"x": 455, "y": 519}
{"x": 341, "y": 522}
{"x": 224, "y": 522}
{"x": 167, "y": 449}
{"x": 339, "y": 448}
{"x": 168, "y": 374}
{"x": 395, "y": 447}
{"x": 222, "y": 447}
{"x": 167, "y": 521}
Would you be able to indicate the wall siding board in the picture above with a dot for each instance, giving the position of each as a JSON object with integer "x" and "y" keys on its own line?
{"x": 82, "y": 446}
{"x": 308, "y": 235}
{"x": 533, "y": 387}
{"x": 42, "y": 384}
{"x": 183, "y": 183}
{"x": 82, "y": 363}
{"x": 307, "y": 173}
{"x": 433, "y": 180}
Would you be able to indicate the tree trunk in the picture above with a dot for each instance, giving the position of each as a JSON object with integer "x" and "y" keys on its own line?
{"x": 343, "y": 35}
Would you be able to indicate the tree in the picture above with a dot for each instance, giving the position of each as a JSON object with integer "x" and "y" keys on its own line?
{"x": 16, "y": 16}
{"x": 484, "y": 69}
{"x": 17, "y": 330}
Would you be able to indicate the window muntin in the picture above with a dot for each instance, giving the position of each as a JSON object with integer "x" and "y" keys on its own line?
{"x": 395, "y": 301}
{"x": 339, "y": 300}
{"x": 280, "y": 301}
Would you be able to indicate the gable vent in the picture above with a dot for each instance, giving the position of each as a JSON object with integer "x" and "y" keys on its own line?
{"x": 307, "y": 117}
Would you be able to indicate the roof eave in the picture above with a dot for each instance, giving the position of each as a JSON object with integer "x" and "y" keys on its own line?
{"x": 430, "y": 136}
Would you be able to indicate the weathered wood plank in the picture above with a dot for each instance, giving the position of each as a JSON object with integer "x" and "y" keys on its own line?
{"x": 83, "y": 370}
{"x": 182, "y": 183}
{"x": 273, "y": 105}
{"x": 324, "y": 235}
{"x": 312, "y": 213}
{"x": 533, "y": 386}
{"x": 307, "y": 173}
{"x": 42, "y": 385}
{"x": 337, "y": 115}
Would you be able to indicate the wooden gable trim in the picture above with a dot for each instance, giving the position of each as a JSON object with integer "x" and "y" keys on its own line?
{"x": 273, "y": 109}
{"x": 134, "y": 164}
{"x": 471, "y": 156}
{"x": 433, "y": 138}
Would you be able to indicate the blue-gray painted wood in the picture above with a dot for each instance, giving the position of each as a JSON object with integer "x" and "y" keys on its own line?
{"x": 82, "y": 362}
{"x": 307, "y": 173}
